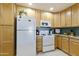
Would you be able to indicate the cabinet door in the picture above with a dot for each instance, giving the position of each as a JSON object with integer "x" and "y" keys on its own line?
{"x": 6, "y": 40}
{"x": 38, "y": 17}
{"x": 57, "y": 20}
{"x": 65, "y": 44}
{"x": 63, "y": 20}
{"x": 74, "y": 15}
{"x": 56, "y": 45}
{"x": 0, "y": 12}
{"x": 74, "y": 48}
{"x": 7, "y": 14}
{"x": 39, "y": 43}
{"x": 59, "y": 42}
{"x": 78, "y": 14}
{"x": 47, "y": 16}
{"x": 68, "y": 17}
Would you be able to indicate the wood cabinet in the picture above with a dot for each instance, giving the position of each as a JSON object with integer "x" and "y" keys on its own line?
{"x": 70, "y": 45}
{"x": 6, "y": 40}
{"x": 38, "y": 17}
{"x": 56, "y": 45}
{"x": 37, "y": 14}
{"x": 74, "y": 47}
{"x": 78, "y": 14}
{"x": 0, "y": 12}
{"x": 56, "y": 20}
{"x": 58, "y": 42}
{"x": 74, "y": 15}
{"x": 39, "y": 42}
{"x": 65, "y": 44}
{"x": 63, "y": 19}
{"x": 68, "y": 17}
{"x": 71, "y": 16}
{"x": 7, "y": 14}
{"x": 47, "y": 16}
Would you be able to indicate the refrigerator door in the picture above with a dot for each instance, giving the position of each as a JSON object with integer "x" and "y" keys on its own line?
{"x": 25, "y": 23}
{"x": 26, "y": 43}
{"x": 26, "y": 36}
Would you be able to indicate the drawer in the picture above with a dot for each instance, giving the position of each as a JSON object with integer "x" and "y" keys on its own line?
{"x": 48, "y": 48}
{"x": 75, "y": 40}
{"x": 38, "y": 41}
{"x": 39, "y": 46}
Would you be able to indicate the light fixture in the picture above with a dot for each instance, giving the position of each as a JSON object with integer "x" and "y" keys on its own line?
{"x": 46, "y": 13}
{"x": 68, "y": 13}
{"x": 51, "y": 9}
{"x": 30, "y": 3}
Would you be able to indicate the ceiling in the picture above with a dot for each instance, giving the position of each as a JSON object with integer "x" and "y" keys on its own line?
{"x": 46, "y": 6}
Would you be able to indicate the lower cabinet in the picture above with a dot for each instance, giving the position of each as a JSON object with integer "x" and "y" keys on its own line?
{"x": 6, "y": 41}
{"x": 6, "y": 49}
{"x": 74, "y": 47}
{"x": 39, "y": 42}
{"x": 58, "y": 42}
{"x": 70, "y": 45}
{"x": 65, "y": 44}
{"x": 56, "y": 45}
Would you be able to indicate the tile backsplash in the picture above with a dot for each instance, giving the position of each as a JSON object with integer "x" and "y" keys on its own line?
{"x": 46, "y": 30}
{"x": 68, "y": 30}
{"x": 63, "y": 30}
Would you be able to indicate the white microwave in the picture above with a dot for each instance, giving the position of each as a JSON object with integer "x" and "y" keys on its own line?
{"x": 45, "y": 23}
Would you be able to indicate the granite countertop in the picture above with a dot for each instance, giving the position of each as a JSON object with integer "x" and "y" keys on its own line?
{"x": 76, "y": 37}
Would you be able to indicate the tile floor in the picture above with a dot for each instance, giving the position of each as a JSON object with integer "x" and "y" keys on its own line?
{"x": 56, "y": 52}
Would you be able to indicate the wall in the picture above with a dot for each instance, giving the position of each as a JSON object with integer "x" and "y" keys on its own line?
{"x": 68, "y": 30}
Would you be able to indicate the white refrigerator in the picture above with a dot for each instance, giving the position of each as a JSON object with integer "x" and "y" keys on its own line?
{"x": 26, "y": 36}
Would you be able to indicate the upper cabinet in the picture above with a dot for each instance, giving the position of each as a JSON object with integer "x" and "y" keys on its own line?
{"x": 75, "y": 15}
{"x": 63, "y": 19}
{"x": 37, "y": 14}
{"x": 78, "y": 13}
{"x": 47, "y": 16}
{"x": 0, "y": 13}
{"x": 29, "y": 12}
{"x": 56, "y": 20}
{"x": 38, "y": 17}
{"x": 7, "y": 14}
{"x": 68, "y": 17}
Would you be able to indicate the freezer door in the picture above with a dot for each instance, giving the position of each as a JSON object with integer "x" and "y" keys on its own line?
{"x": 26, "y": 43}
{"x": 26, "y": 23}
